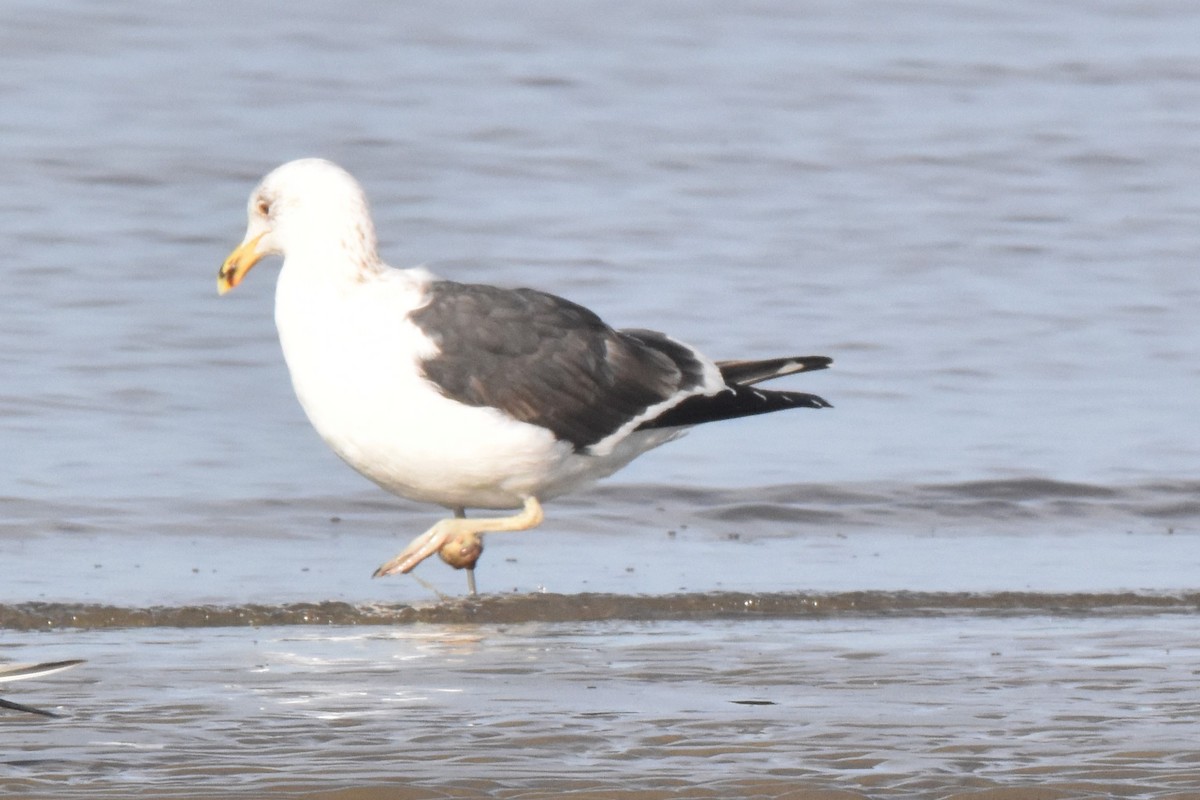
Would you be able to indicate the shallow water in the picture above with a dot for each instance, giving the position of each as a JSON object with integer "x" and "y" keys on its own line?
{"x": 877, "y": 705}
{"x": 977, "y": 571}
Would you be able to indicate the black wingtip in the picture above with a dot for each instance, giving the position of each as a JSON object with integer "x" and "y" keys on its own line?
{"x": 819, "y": 362}
{"x": 734, "y": 402}
{"x": 748, "y": 372}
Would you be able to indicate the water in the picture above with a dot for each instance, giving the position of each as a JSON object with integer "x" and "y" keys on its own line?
{"x": 645, "y": 709}
{"x": 985, "y": 212}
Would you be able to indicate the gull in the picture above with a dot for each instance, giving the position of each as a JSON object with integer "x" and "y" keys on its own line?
{"x": 17, "y": 672}
{"x": 469, "y": 395}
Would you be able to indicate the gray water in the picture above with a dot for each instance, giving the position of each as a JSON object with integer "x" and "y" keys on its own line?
{"x": 985, "y": 212}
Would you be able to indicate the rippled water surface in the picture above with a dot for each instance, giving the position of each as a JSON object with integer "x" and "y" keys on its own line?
{"x": 742, "y": 708}
{"x": 976, "y": 572}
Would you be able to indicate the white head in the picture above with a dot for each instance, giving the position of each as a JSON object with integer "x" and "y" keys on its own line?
{"x": 311, "y": 208}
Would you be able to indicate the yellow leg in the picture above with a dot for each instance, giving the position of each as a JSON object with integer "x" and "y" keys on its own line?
{"x": 458, "y": 539}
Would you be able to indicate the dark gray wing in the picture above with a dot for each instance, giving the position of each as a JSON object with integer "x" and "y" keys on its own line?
{"x": 547, "y": 361}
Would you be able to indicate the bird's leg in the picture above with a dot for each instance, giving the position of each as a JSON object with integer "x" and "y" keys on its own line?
{"x": 458, "y": 541}
{"x": 461, "y": 513}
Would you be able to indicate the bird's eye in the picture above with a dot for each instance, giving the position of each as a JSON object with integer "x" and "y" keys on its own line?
{"x": 263, "y": 208}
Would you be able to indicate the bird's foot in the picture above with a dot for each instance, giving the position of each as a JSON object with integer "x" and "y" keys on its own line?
{"x": 458, "y": 540}
{"x": 419, "y": 549}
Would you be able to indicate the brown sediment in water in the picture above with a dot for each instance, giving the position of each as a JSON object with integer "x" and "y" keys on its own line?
{"x": 587, "y": 607}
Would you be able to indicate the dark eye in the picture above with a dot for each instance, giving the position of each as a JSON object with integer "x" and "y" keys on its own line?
{"x": 263, "y": 208}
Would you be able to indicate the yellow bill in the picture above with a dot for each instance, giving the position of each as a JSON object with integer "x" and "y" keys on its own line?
{"x": 239, "y": 263}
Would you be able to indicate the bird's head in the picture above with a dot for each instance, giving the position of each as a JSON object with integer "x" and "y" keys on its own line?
{"x": 309, "y": 206}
